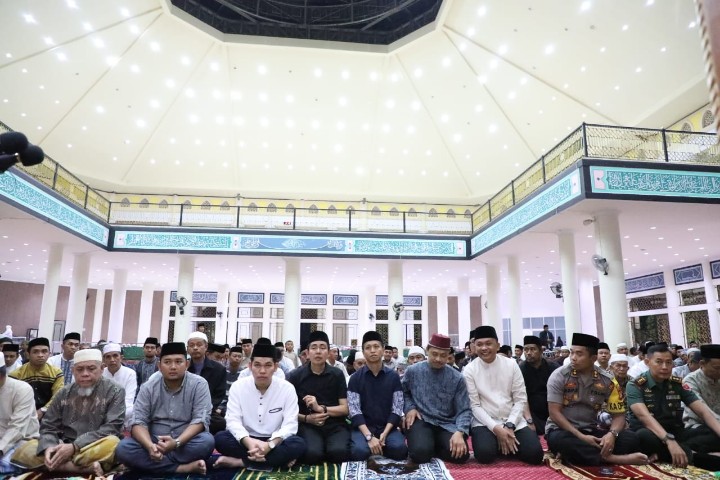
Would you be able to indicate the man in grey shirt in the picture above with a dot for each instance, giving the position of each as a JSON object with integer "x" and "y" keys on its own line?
{"x": 171, "y": 418}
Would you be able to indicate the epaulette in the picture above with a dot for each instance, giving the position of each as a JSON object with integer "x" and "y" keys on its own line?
{"x": 640, "y": 381}
{"x": 566, "y": 369}
{"x": 675, "y": 379}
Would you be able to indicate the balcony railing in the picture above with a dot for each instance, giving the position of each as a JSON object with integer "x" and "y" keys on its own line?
{"x": 587, "y": 141}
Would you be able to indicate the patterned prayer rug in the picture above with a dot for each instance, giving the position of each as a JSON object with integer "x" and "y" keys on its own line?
{"x": 381, "y": 468}
{"x": 502, "y": 469}
{"x": 325, "y": 471}
{"x": 628, "y": 472}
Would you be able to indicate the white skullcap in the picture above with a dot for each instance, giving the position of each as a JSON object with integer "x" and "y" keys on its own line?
{"x": 414, "y": 350}
{"x": 618, "y": 357}
{"x": 565, "y": 348}
{"x": 199, "y": 335}
{"x": 87, "y": 355}
{"x": 111, "y": 347}
{"x": 621, "y": 345}
{"x": 359, "y": 356}
{"x": 692, "y": 350}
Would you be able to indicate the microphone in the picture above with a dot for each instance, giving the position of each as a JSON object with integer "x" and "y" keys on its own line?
{"x": 32, "y": 155}
{"x": 13, "y": 142}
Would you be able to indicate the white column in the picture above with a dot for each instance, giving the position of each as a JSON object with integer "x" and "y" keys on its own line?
{"x": 425, "y": 323}
{"x": 221, "y": 321}
{"x": 368, "y": 308}
{"x": 186, "y": 285}
{"x": 396, "y": 333}
{"x": 677, "y": 330}
{"x": 78, "y": 294}
{"x": 571, "y": 302}
{"x": 50, "y": 292}
{"x": 613, "y": 301}
{"x": 293, "y": 290}
{"x": 516, "y": 322}
{"x": 146, "y": 304}
{"x": 165, "y": 322}
{"x": 494, "y": 317}
{"x": 442, "y": 311}
{"x": 98, "y": 318}
{"x": 586, "y": 293}
{"x": 117, "y": 306}
{"x": 712, "y": 304}
{"x": 463, "y": 310}
{"x": 232, "y": 318}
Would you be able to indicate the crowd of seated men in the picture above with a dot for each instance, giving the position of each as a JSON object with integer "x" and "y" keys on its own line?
{"x": 264, "y": 405}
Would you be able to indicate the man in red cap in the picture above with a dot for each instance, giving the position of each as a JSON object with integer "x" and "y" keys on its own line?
{"x": 437, "y": 407}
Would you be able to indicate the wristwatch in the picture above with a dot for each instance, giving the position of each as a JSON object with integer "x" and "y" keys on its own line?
{"x": 324, "y": 408}
{"x": 529, "y": 421}
{"x": 271, "y": 444}
{"x": 509, "y": 425}
{"x": 668, "y": 437}
{"x": 177, "y": 443}
{"x": 615, "y": 433}
{"x": 368, "y": 437}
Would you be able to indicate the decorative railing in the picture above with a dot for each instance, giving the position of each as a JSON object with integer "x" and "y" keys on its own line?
{"x": 587, "y": 141}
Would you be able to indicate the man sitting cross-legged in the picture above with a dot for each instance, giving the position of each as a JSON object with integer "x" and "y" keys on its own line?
{"x": 322, "y": 402}
{"x": 375, "y": 399}
{"x": 124, "y": 376}
{"x": 437, "y": 407}
{"x": 261, "y": 418}
{"x": 498, "y": 399}
{"x": 80, "y": 430}
{"x": 536, "y": 370}
{"x": 576, "y": 393}
{"x": 18, "y": 421}
{"x": 45, "y": 379}
{"x": 170, "y": 420}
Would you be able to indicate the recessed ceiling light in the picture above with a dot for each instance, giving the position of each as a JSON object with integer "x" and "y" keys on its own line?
{"x": 418, "y": 72}
{"x": 692, "y": 24}
{"x": 625, "y": 28}
{"x": 503, "y": 49}
{"x": 100, "y": 109}
{"x": 482, "y": 11}
{"x": 649, "y": 3}
{"x": 603, "y": 49}
{"x": 549, "y": 49}
{"x": 471, "y": 32}
{"x": 374, "y": 76}
{"x": 345, "y": 74}
{"x": 492, "y": 128}
{"x": 318, "y": 72}
{"x": 155, "y": 46}
{"x": 638, "y": 70}
{"x": 663, "y": 49}
{"x": 584, "y": 6}
{"x": 262, "y": 69}
{"x": 446, "y": 62}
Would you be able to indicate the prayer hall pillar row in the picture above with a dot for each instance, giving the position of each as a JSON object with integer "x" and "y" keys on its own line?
{"x": 221, "y": 319}
{"x": 98, "y": 318}
{"x": 588, "y": 321}
{"x": 117, "y": 306}
{"x": 493, "y": 297}
{"x": 711, "y": 299}
{"x": 613, "y": 302}
{"x": 396, "y": 335}
{"x": 677, "y": 332}
{"x": 293, "y": 287}
{"x": 78, "y": 295}
{"x": 442, "y": 311}
{"x": 463, "y": 310}
{"x": 515, "y": 284}
{"x": 146, "y": 305}
{"x": 186, "y": 282}
{"x": 46, "y": 324}
{"x": 568, "y": 275}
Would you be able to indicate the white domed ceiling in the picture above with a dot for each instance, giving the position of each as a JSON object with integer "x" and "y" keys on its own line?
{"x": 136, "y": 96}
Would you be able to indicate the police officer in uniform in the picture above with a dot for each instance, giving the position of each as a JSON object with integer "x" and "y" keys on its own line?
{"x": 655, "y": 399}
{"x": 576, "y": 394}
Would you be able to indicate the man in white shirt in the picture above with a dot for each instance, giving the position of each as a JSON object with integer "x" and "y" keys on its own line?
{"x": 18, "y": 421}
{"x": 124, "y": 376}
{"x": 262, "y": 418}
{"x": 641, "y": 366}
{"x": 497, "y": 399}
{"x": 64, "y": 360}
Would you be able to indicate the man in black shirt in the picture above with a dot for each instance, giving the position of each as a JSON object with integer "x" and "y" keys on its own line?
{"x": 547, "y": 339}
{"x": 536, "y": 370}
{"x": 322, "y": 399}
{"x": 216, "y": 377}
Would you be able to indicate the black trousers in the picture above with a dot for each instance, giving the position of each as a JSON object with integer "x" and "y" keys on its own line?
{"x": 289, "y": 449}
{"x": 485, "y": 446}
{"x": 650, "y": 444}
{"x": 329, "y": 443}
{"x": 701, "y": 439}
{"x": 539, "y": 422}
{"x": 426, "y": 441}
{"x": 580, "y": 453}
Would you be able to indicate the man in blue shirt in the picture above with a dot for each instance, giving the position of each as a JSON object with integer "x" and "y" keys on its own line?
{"x": 375, "y": 400}
{"x": 437, "y": 407}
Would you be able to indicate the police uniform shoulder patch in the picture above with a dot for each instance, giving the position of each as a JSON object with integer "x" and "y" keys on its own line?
{"x": 566, "y": 369}
{"x": 686, "y": 386}
{"x": 640, "y": 381}
{"x": 675, "y": 379}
